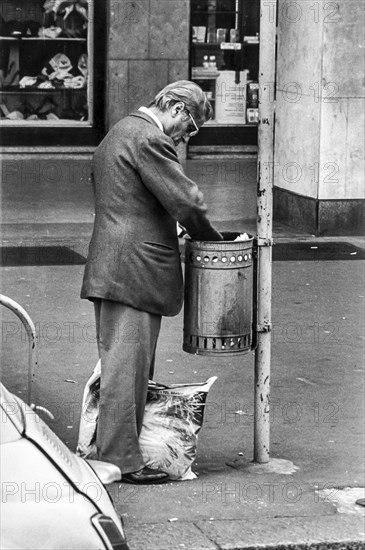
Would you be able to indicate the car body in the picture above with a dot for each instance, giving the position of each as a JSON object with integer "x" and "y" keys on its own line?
{"x": 50, "y": 498}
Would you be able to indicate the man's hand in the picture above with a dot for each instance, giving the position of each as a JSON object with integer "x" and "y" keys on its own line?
{"x": 181, "y": 232}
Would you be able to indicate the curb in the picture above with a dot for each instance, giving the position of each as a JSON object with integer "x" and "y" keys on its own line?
{"x": 334, "y": 532}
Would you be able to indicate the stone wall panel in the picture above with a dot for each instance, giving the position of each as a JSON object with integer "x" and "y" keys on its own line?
{"x": 119, "y": 96}
{"x": 169, "y": 29}
{"x": 147, "y": 78}
{"x": 178, "y": 69}
{"x": 129, "y": 29}
{"x": 343, "y": 48}
{"x": 297, "y": 132}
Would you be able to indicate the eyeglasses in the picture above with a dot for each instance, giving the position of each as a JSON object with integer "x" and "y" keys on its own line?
{"x": 194, "y": 132}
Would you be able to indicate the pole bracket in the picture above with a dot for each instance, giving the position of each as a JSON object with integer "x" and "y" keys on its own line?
{"x": 264, "y": 241}
{"x": 264, "y": 327}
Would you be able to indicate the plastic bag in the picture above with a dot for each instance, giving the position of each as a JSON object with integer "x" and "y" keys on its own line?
{"x": 173, "y": 417}
{"x": 86, "y": 445}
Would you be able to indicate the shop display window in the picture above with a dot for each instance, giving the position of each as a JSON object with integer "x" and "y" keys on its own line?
{"x": 225, "y": 58}
{"x": 47, "y": 71}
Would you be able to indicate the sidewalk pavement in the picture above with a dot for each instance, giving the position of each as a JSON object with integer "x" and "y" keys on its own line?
{"x": 305, "y": 496}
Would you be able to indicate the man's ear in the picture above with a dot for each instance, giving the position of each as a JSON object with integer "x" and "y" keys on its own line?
{"x": 178, "y": 108}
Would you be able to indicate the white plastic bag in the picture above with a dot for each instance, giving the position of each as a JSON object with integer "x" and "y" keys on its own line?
{"x": 173, "y": 417}
{"x": 86, "y": 446}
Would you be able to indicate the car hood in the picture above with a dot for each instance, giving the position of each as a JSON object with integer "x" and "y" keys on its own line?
{"x": 31, "y": 426}
{"x": 76, "y": 470}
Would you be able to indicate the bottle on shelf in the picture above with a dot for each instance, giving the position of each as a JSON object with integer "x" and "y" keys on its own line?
{"x": 212, "y": 63}
{"x": 233, "y": 35}
{"x": 211, "y": 35}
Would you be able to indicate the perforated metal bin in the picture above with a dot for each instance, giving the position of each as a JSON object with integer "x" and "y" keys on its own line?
{"x": 218, "y": 307}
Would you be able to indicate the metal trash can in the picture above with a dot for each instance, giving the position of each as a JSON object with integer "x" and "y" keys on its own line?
{"x": 218, "y": 307}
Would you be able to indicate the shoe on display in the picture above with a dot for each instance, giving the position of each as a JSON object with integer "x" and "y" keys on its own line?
{"x": 76, "y": 82}
{"x": 82, "y": 65}
{"x": 81, "y": 7}
{"x": 27, "y": 81}
{"x": 58, "y": 83}
{"x": 53, "y": 5}
{"x": 15, "y": 28}
{"x": 73, "y": 18}
{"x": 46, "y": 85}
{"x": 15, "y": 115}
{"x": 33, "y": 117}
{"x": 59, "y": 67}
{"x": 49, "y": 32}
{"x": 31, "y": 28}
{"x": 52, "y": 116}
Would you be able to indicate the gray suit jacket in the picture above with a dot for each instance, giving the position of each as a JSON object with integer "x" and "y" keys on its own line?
{"x": 140, "y": 193}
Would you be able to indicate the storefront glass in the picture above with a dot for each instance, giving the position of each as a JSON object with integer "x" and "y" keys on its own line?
{"x": 46, "y": 65}
{"x": 224, "y": 62}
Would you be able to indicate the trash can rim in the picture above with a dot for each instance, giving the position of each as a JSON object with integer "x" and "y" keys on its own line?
{"x": 243, "y": 241}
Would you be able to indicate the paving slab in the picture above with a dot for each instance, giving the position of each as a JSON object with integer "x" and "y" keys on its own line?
{"x": 329, "y": 532}
{"x": 169, "y": 536}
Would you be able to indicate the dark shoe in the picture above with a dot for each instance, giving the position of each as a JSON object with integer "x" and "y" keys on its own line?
{"x": 145, "y": 476}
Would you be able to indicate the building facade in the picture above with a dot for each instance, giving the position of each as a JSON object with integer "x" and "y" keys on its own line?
{"x": 69, "y": 69}
{"x": 319, "y": 133}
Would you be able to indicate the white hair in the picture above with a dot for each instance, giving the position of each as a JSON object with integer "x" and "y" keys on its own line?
{"x": 190, "y": 94}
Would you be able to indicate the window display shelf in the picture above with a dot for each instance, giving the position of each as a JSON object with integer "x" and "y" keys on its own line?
{"x": 16, "y": 91}
{"x": 221, "y": 45}
{"x": 49, "y": 74}
{"x": 216, "y": 124}
{"x": 61, "y": 123}
{"x": 41, "y": 39}
{"x": 224, "y": 61}
{"x": 208, "y": 45}
{"x": 214, "y": 11}
{"x": 203, "y": 74}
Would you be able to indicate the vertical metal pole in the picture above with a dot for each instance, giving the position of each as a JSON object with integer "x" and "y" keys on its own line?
{"x": 264, "y": 229}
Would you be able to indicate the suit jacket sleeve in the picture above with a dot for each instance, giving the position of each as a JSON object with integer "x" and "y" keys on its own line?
{"x": 162, "y": 174}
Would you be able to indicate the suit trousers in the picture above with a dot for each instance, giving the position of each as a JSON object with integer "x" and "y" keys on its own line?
{"x": 127, "y": 340}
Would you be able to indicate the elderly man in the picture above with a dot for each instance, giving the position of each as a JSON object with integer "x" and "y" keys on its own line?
{"x": 133, "y": 271}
